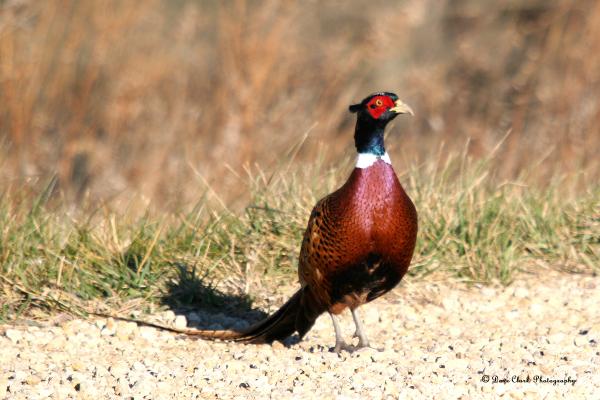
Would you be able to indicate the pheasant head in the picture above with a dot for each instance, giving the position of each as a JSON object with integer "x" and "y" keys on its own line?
{"x": 373, "y": 114}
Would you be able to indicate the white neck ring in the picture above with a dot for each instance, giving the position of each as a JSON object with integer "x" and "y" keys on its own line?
{"x": 365, "y": 160}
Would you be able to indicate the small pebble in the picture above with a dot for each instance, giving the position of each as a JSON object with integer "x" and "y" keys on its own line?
{"x": 180, "y": 322}
{"x": 14, "y": 335}
{"x": 33, "y": 380}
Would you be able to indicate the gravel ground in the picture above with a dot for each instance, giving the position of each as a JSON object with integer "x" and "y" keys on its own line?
{"x": 438, "y": 340}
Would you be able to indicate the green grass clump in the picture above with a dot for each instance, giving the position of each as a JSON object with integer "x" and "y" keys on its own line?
{"x": 472, "y": 228}
{"x": 480, "y": 230}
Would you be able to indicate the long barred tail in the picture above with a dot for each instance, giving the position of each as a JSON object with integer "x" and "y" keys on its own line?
{"x": 298, "y": 314}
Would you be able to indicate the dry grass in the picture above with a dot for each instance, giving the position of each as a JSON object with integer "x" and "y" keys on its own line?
{"x": 119, "y": 100}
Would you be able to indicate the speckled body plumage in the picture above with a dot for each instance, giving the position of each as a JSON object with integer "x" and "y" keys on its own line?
{"x": 359, "y": 240}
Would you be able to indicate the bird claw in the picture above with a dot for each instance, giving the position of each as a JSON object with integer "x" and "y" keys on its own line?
{"x": 362, "y": 341}
{"x": 341, "y": 345}
{"x": 360, "y": 347}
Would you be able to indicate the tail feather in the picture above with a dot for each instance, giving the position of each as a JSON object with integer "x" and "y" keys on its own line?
{"x": 298, "y": 314}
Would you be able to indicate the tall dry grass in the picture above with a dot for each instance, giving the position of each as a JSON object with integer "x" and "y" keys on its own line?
{"x": 117, "y": 98}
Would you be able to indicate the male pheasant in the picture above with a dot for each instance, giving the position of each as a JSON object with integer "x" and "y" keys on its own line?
{"x": 358, "y": 244}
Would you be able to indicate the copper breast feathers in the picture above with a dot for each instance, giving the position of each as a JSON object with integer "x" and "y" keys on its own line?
{"x": 360, "y": 239}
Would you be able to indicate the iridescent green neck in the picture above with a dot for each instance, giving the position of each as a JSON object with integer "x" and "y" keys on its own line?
{"x": 368, "y": 136}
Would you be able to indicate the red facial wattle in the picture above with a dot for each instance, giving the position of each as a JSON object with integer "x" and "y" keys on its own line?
{"x": 378, "y": 105}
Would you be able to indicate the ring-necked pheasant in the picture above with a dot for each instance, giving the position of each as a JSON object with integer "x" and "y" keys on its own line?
{"x": 358, "y": 244}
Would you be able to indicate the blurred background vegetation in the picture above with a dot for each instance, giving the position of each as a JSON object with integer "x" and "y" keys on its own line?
{"x": 149, "y": 146}
{"x": 118, "y": 98}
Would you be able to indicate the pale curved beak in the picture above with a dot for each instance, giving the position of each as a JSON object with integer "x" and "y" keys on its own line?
{"x": 402, "y": 108}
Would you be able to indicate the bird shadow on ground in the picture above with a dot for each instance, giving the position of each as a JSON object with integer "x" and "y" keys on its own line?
{"x": 205, "y": 306}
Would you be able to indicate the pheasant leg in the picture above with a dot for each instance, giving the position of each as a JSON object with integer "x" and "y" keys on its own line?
{"x": 360, "y": 331}
{"x": 340, "y": 344}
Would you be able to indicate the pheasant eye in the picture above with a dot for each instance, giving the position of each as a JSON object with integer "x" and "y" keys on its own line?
{"x": 378, "y": 102}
